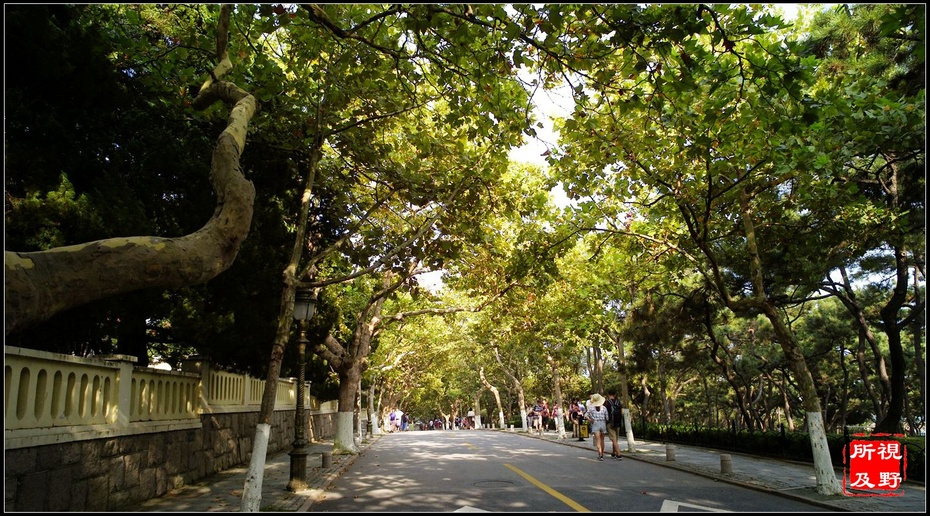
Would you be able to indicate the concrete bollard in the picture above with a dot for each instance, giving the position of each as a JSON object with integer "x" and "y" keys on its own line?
{"x": 327, "y": 459}
{"x": 726, "y": 463}
{"x": 670, "y": 452}
{"x": 511, "y": 428}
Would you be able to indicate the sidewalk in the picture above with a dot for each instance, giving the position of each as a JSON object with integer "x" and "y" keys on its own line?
{"x": 223, "y": 492}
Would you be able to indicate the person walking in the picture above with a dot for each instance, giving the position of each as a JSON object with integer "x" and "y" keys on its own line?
{"x": 614, "y": 422}
{"x": 575, "y": 415}
{"x": 597, "y": 415}
{"x": 582, "y": 410}
{"x": 546, "y": 416}
{"x": 537, "y": 412}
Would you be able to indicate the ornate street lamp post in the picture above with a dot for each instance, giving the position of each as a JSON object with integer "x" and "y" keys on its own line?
{"x": 304, "y": 307}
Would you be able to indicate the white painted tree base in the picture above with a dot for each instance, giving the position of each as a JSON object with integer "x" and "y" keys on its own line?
{"x": 827, "y": 482}
{"x": 344, "y": 438}
{"x": 252, "y": 490}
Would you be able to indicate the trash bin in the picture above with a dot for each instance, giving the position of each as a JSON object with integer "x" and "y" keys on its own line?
{"x": 583, "y": 428}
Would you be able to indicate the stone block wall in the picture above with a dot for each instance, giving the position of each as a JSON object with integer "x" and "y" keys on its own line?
{"x": 110, "y": 474}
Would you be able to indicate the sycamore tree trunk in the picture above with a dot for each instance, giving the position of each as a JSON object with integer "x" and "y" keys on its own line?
{"x": 344, "y": 438}
{"x": 625, "y": 394}
{"x": 478, "y": 423}
{"x": 517, "y": 385}
{"x": 43, "y": 283}
{"x": 823, "y": 465}
{"x": 350, "y": 362}
{"x": 374, "y": 419}
{"x": 557, "y": 408}
{"x": 497, "y": 397}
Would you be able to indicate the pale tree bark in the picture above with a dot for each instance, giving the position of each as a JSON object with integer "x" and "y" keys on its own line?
{"x": 358, "y": 411}
{"x": 446, "y": 417}
{"x": 517, "y": 385}
{"x": 557, "y": 393}
{"x": 646, "y": 395}
{"x": 478, "y": 423}
{"x": 596, "y": 361}
{"x": 350, "y": 361}
{"x": 625, "y": 393}
{"x": 497, "y": 397}
{"x": 373, "y": 416}
{"x": 43, "y": 283}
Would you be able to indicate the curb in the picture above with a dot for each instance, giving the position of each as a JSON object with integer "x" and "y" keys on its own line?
{"x": 325, "y": 478}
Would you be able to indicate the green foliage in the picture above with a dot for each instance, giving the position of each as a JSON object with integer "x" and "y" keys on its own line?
{"x": 678, "y": 109}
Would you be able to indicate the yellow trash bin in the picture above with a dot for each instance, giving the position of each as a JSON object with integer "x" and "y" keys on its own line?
{"x": 584, "y": 430}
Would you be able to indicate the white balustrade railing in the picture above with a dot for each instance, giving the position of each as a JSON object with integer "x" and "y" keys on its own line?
{"x": 159, "y": 396}
{"x": 51, "y": 397}
{"x": 44, "y": 390}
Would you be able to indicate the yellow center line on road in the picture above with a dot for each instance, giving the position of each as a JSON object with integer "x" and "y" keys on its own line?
{"x": 566, "y": 500}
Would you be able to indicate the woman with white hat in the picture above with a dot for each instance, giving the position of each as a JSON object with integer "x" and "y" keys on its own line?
{"x": 597, "y": 415}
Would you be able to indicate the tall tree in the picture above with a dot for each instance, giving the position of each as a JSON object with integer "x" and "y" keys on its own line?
{"x": 696, "y": 132}
{"x": 874, "y": 55}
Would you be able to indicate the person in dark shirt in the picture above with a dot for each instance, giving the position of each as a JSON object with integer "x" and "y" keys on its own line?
{"x": 614, "y": 422}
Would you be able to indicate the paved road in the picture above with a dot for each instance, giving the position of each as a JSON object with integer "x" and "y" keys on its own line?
{"x": 504, "y": 472}
{"x": 222, "y": 493}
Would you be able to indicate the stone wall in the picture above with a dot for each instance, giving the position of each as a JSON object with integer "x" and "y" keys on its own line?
{"x": 99, "y": 434}
{"x": 116, "y": 473}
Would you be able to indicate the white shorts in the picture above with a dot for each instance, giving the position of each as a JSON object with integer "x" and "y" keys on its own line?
{"x": 598, "y": 426}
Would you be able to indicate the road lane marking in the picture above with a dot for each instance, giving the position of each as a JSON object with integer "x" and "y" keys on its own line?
{"x": 673, "y": 506}
{"x": 559, "y": 496}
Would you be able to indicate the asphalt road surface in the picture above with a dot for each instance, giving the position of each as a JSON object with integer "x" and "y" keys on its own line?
{"x": 469, "y": 471}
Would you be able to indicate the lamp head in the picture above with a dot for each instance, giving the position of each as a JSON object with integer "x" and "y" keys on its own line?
{"x": 304, "y": 304}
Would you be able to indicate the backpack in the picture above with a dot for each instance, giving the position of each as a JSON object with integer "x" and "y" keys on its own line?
{"x": 614, "y": 413}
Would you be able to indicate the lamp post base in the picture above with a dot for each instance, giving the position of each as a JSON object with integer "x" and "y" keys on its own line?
{"x": 298, "y": 480}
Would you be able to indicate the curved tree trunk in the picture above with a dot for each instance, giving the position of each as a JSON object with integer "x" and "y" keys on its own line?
{"x": 43, "y": 283}
{"x": 517, "y": 385}
{"x": 40, "y": 284}
{"x": 497, "y": 397}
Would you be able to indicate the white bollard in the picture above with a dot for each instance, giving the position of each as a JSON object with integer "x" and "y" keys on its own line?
{"x": 670, "y": 452}
{"x": 726, "y": 463}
